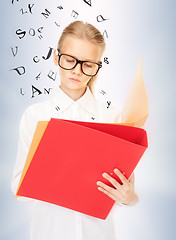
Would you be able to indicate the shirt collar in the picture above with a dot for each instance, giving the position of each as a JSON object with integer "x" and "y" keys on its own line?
{"x": 87, "y": 101}
{"x": 63, "y": 101}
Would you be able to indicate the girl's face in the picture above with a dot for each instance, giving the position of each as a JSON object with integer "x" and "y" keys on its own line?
{"x": 75, "y": 80}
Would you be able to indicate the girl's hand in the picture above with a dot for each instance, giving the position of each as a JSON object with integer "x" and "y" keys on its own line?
{"x": 124, "y": 193}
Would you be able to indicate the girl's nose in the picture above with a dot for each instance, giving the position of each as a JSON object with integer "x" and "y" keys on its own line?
{"x": 77, "y": 69}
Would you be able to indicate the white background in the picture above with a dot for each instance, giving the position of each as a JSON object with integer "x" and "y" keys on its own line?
{"x": 135, "y": 28}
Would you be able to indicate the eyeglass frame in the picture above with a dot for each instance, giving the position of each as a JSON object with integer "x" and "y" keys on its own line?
{"x": 78, "y": 61}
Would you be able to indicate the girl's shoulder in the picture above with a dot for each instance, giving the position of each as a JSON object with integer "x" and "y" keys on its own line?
{"x": 37, "y": 112}
{"x": 107, "y": 111}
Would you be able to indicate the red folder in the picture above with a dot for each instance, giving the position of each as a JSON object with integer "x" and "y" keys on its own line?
{"x": 71, "y": 158}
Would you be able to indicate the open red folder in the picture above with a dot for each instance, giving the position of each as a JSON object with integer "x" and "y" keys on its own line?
{"x": 67, "y": 158}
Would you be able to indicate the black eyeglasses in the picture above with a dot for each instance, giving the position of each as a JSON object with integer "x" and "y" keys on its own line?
{"x": 69, "y": 62}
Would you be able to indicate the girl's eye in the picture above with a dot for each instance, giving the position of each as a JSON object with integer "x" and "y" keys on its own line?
{"x": 88, "y": 65}
{"x": 70, "y": 60}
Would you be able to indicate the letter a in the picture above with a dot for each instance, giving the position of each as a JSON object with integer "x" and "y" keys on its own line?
{"x": 34, "y": 90}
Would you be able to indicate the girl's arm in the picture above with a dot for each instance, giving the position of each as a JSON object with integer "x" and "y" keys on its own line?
{"x": 25, "y": 137}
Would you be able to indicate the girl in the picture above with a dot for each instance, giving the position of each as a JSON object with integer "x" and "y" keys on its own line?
{"x": 78, "y": 56}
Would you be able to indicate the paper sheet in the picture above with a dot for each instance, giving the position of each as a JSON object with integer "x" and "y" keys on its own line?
{"x": 136, "y": 107}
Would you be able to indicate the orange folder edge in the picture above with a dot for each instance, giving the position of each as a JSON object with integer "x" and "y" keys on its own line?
{"x": 40, "y": 129}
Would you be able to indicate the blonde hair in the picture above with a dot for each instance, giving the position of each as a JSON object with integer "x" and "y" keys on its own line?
{"x": 86, "y": 31}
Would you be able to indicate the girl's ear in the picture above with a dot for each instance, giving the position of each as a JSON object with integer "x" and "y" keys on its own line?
{"x": 55, "y": 58}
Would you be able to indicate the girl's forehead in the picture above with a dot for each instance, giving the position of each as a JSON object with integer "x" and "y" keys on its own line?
{"x": 80, "y": 48}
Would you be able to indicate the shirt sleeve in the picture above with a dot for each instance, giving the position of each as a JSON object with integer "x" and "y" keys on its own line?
{"x": 115, "y": 114}
{"x": 128, "y": 205}
{"x": 26, "y": 131}
{"x": 117, "y": 118}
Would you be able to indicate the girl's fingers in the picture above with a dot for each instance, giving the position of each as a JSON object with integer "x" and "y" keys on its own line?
{"x": 107, "y": 193}
{"x": 111, "y": 180}
{"x": 121, "y": 176}
{"x": 131, "y": 180}
{"x": 106, "y": 187}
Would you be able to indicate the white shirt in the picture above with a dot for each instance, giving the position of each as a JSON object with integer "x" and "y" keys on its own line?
{"x": 49, "y": 221}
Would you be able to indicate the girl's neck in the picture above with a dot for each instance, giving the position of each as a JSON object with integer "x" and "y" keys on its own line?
{"x": 74, "y": 94}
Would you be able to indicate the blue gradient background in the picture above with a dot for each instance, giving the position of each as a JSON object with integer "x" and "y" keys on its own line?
{"x": 136, "y": 28}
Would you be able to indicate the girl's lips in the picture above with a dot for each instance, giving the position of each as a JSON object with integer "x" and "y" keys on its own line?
{"x": 74, "y": 79}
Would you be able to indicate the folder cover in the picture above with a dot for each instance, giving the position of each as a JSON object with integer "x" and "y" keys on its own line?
{"x": 67, "y": 158}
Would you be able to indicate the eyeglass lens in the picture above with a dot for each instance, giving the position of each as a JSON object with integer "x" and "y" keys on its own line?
{"x": 69, "y": 63}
